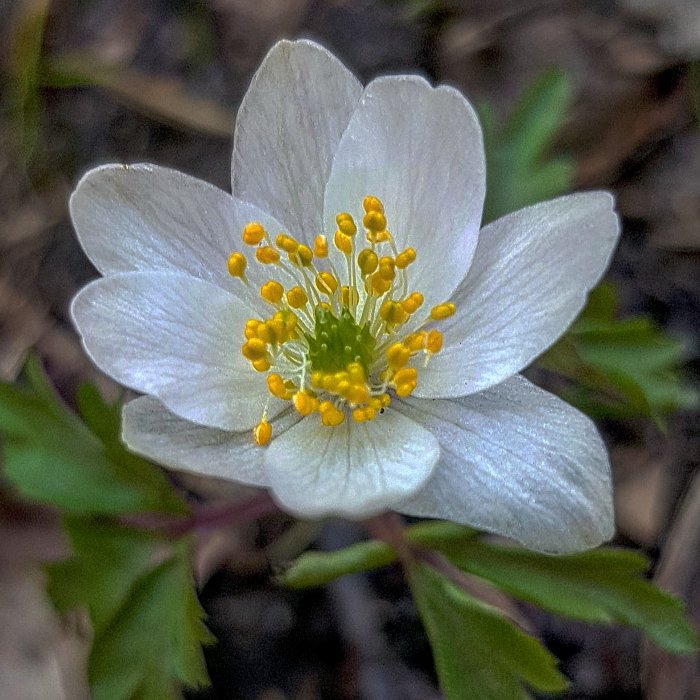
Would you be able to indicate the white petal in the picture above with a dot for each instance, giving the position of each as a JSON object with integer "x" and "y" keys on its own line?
{"x": 517, "y": 461}
{"x": 354, "y": 469}
{"x": 144, "y": 217}
{"x": 288, "y": 127}
{"x": 149, "y": 429}
{"x": 174, "y": 337}
{"x": 419, "y": 150}
{"x": 529, "y": 280}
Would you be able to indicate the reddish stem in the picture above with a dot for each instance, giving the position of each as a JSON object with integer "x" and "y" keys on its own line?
{"x": 208, "y": 516}
{"x": 389, "y": 527}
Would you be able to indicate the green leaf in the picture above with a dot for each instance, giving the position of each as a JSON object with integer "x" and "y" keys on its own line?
{"x": 52, "y": 457}
{"x": 518, "y": 170}
{"x": 478, "y": 652}
{"x": 620, "y": 368}
{"x": 314, "y": 569}
{"x": 602, "y": 586}
{"x": 148, "y": 625}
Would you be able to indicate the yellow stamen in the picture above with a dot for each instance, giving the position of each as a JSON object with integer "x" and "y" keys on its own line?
{"x": 397, "y": 355}
{"x": 346, "y": 224}
{"x": 405, "y": 258}
{"x": 321, "y": 247}
{"x": 267, "y": 255}
{"x": 349, "y": 295}
{"x": 286, "y": 243}
{"x": 272, "y": 292}
{"x": 367, "y": 261}
{"x": 413, "y": 302}
{"x": 304, "y": 403}
{"x": 236, "y": 265}
{"x": 370, "y": 203}
{"x": 326, "y": 283}
{"x": 442, "y": 311}
{"x": 342, "y": 242}
{"x": 433, "y": 343}
{"x": 393, "y": 312}
{"x": 302, "y": 257}
{"x": 330, "y": 415}
{"x": 262, "y": 433}
{"x": 297, "y": 297}
{"x": 253, "y": 233}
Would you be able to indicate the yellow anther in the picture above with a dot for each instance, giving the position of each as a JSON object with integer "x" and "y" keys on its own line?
{"x": 397, "y": 355}
{"x": 367, "y": 261}
{"x": 357, "y": 394}
{"x": 297, "y": 297}
{"x": 286, "y": 243}
{"x": 253, "y": 233}
{"x": 356, "y": 373}
{"x": 254, "y": 349}
{"x": 442, "y": 311}
{"x": 365, "y": 413}
{"x": 405, "y": 258}
{"x": 378, "y": 236}
{"x": 321, "y": 247}
{"x": 342, "y": 242}
{"x": 378, "y": 285}
{"x": 374, "y": 221}
{"x": 272, "y": 292}
{"x": 346, "y": 224}
{"x": 405, "y": 381}
{"x": 387, "y": 268}
{"x": 261, "y": 365}
{"x": 266, "y": 332}
{"x": 413, "y": 302}
{"x": 370, "y": 203}
{"x": 317, "y": 378}
{"x": 349, "y": 295}
{"x": 326, "y": 283}
{"x": 407, "y": 374}
{"x": 236, "y": 265}
{"x": 251, "y": 328}
{"x": 392, "y": 312}
{"x": 304, "y": 403}
{"x": 267, "y": 255}
{"x": 433, "y": 342}
{"x": 330, "y": 415}
{"x": 416, "y": 341}
{"x": 279, "y": 388}
{"x": 302, "y": 256}
{"x": 262, "y": 433}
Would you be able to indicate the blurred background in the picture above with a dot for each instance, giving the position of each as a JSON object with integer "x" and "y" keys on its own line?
{"x": 93, "y": 81}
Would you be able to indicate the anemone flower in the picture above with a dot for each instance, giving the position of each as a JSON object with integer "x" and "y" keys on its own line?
{"x": 338, "y": 330}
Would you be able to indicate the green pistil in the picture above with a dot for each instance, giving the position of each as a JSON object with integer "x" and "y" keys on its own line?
{"x": 338, "y": 341}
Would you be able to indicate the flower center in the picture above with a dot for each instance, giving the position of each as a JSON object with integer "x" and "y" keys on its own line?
{"x": 338, "y": 343}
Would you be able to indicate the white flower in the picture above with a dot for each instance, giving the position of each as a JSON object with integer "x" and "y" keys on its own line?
{"x": 402, "y": 397}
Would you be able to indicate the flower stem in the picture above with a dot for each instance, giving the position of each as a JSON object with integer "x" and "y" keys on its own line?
{"x": 208, "y": 516}
{"x": 389, "y": 527}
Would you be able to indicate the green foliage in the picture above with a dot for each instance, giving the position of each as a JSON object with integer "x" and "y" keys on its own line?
{"x": 603, "y": 586}
{"x": 478, "y": 652}
{"x": 148, "y": 625}
{"x": 620, "y": 368}
{"x": 137, "y": 586}
{"x": 518, "y": 169}
{"x": 24, "y": 62}
{"x": 52, "y": 457}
